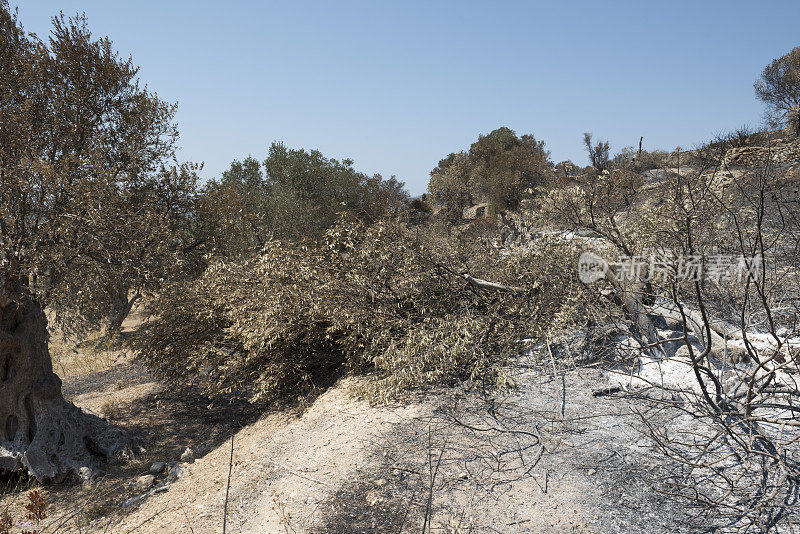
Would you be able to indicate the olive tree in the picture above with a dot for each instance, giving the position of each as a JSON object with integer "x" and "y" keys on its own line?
{"x": 449, "y": 186}
{"x": 80, "y": 138}
{"x": 499, "y": 167}
{"x": 232, "y": 218}
{"x": 779, "y": 88}
{"x": 141, "y": 239}
{"x": 503, "y": 165}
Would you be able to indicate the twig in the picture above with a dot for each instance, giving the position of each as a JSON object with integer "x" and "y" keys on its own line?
{"x": 608, "y": 390}
{"x": 148, "y": 519}
{"x": 227, "y": 490}
{"x": 555, "y": 379}
{"x": 434, "y": 473}
{"x": 188, "y": 521}
{"x": 301, "y": 475}
{"x": 408, "y": 509}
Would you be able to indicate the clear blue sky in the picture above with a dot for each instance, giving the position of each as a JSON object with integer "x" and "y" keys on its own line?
{"x": 397, "y": 86}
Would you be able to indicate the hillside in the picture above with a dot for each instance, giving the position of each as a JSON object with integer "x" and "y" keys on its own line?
{"x": 580, "y": 442}
{"x": 215, "y": 329}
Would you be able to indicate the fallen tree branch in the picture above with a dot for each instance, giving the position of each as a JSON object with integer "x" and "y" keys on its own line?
{"x": 720, "y": 331}
{"x": 631, "y": 298}
{"x": 485, "y": 284}
{"x": 606, "y": 391}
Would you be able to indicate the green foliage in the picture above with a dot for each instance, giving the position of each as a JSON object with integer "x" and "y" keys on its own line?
{"x": 140, "y": 240}
{"x": 380, "y": 297}
{"x": 231, "y": 217}
{"x": 498, "y": 169}
{"x": 565, "y": 172}
{"x": 307, "y": 192}
{"x": 504, "y": 165}
{"x": 245, "y": 176}
{"x": 87, "y": 210}
{"x": 294, "y": 195}
{"x": 450, "y": 186}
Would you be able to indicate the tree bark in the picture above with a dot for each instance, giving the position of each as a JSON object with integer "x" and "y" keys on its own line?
{"x": 120, "y": 310}
{"x": 631, "y": 297}
{"x": 39, "y": 430}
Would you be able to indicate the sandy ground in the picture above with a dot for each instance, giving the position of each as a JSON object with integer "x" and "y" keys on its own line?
{"x": 548, "y": 457}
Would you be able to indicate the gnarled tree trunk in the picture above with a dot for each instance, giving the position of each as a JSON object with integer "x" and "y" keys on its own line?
{"x": 120, "y": 309}
{"x": 39, "y": 430}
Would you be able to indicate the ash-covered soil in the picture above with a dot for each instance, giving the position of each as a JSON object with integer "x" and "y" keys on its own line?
{"x": 548, "y": 456}
{"x": 565, "y": 451}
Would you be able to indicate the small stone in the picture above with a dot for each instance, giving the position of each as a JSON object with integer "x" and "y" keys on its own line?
{"x": 374, "y": 498}
{"x": 174, "y": 471}
{"x": 144, "y": 483}
{"x": 591, "y": 472}
{"x": 160, "y": 488}
{"x": 157, "y": 468}
{"x": 682, "y": 352}
{"x": 463, "y": 475}
{"x": 380, "y": 482}
{"x": 86, "y": 474}
{"x": 132, "y": 500}
{"x": 188, "y": 455}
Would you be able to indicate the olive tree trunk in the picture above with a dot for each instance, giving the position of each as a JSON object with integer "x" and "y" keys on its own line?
{"x": 39, "y": 430}
{"x": 120, "y": 309}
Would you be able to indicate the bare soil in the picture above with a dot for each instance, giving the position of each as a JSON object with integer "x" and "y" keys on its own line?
{"x": 546, "y": 457}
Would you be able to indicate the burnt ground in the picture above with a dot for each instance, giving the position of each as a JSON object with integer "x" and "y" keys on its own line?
{"x": 549, "y": 456}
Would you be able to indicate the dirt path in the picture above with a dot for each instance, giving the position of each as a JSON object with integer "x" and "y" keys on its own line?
{"x": 548, "y": 458}
{"x": 283, "y": 468}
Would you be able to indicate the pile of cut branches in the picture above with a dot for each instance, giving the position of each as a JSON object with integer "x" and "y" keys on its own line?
{"x": 415, "y": 308}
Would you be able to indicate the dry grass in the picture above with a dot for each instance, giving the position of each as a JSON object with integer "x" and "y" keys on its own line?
{"x": 74, "y": 360}
{"x": 77, "y": 358}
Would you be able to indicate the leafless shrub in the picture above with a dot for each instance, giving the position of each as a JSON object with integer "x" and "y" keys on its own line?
{"x": 599, "y": 153}
{"x": 739, "y": 462}
{"x": 742, "y": 462}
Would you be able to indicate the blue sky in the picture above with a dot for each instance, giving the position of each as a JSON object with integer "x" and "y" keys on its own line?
{"x": 396, "y": 86}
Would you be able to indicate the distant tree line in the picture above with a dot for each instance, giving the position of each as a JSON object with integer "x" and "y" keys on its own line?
{"x": 293, "y": 194}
